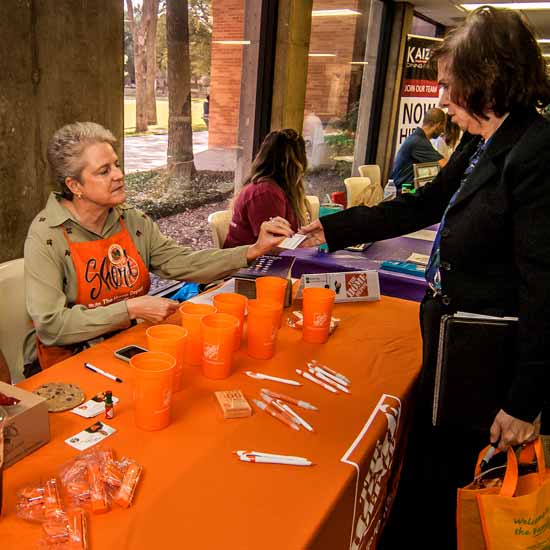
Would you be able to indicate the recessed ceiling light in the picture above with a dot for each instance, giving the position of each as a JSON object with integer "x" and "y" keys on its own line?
{"x": 333, "y": 13}
{"x": 543, "y": 40}
{"x": 232, "y": 42}
{"x": 511, "y": 5}
{"x": 358, "y": 62}
{"x": 322, "y": 55}
{"x": 546, "y": 55}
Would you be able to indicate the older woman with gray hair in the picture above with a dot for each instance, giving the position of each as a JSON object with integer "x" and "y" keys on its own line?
{"x": 88, "y": 254}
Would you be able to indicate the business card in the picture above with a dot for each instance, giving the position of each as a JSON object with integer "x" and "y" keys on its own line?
{"x": 291, "y": 243}
{"x": 93, "y": 407}
{"x": 90, "y": 436}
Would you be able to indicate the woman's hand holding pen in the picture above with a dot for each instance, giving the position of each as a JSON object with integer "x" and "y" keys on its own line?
{"x": 511, "y": 431}
{"x": 315, "y": 234}
{"x": 272, "y": 232}
{"x": 151, "y": 308}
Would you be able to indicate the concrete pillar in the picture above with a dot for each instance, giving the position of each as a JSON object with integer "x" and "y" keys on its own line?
{"x": 59, "y": 62}
{"x": 291, "y": 61}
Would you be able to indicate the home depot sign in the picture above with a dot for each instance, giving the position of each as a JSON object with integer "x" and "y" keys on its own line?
{"x": 419, "y": 91}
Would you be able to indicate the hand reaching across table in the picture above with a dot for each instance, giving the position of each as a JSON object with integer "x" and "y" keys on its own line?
{"x": 315, "y": 234}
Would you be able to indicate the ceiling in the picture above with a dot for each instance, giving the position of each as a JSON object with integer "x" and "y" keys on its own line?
{"x": 448, "y": 12}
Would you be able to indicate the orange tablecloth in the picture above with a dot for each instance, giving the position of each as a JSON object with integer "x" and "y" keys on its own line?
{"x": 196, "y": 494}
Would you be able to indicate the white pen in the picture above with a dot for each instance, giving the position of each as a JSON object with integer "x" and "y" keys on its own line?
{"x": 273, "y": 460}
{"x": 275, "y": 403}
{"x": 262, "y": 376}
{"x": 315, "y": 363}
{"x": 320, "y": 374}
{"x": 308, "y": 376}
{"x": 293, "y": 400}
{"x": 271, "y": 455}
{"x": 334, "y": 378}
{"x": 276, "y": 414}
{"x": 295, "y": 415}
{"x": 89, "y": 366}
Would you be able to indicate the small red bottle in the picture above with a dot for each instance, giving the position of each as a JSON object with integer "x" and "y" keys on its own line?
{"x": 109, "y": 407}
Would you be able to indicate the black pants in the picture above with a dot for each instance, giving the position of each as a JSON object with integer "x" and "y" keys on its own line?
{"x": 436, "y": 462}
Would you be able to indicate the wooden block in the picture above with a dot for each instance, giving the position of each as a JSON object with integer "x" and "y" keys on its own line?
{"x": 233, "y": 404}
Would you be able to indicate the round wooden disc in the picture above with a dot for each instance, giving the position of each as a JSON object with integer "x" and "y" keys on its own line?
{"x": 60, "y": 396}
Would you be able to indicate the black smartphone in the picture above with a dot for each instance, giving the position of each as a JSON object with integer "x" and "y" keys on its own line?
{"x": 127, "y": 352}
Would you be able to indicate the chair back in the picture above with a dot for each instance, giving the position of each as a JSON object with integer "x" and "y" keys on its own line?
{"x": 313, "y": 206}
{"x": 362, "y": 191}
{"x": 371, "y": 171}
{"x": 424, "y": 172}
{"x": 219, "y": 225}
{"x": 15, "y": 322}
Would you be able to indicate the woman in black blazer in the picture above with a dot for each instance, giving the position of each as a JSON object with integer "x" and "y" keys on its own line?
{"x": 491, "y": 254}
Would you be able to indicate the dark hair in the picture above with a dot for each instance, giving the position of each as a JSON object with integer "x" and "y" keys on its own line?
{"x": 494, "y": 63}
{"x": 452, "y": 133}
{"x": 282, "y": 158}
{"x": 434, "y": 116}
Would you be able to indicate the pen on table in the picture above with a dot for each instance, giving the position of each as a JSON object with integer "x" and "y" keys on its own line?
{"x": 311, "y": 378}
{"x": 298, "y": 402}
{"x": 295, "y": 415}
{"x": 315, "y": 363}
{"x": 273, "y": 402}
{"x": 319, "y": 374}
{"x": 333, "y": 378}
{"x": 275, "y": 414}
{"x": 489, "y": 454}
{"x": 272, "y": 455}
{"x": 89, "y": 366}
{"x": 273, "y": 460}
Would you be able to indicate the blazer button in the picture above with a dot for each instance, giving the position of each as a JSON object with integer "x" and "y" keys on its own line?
{"x": 445, "y": 265}
{"x": 445, "y": 300}
{"x": 445, "y": 232}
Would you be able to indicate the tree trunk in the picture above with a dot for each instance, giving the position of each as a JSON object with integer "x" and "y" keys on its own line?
{"x": 140, "y": 61}
{"x": 151, "y": 6}
{"x": 180, "y": 133}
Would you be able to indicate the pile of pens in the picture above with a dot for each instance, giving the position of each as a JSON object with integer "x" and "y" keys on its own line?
{"x": 276, "y": 404}
{"x": 325, "y": 377}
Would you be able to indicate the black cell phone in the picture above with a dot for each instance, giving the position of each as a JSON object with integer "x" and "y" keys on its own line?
{"x": 127, "y": 352}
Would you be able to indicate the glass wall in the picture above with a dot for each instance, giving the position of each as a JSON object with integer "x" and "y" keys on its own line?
{"x": 335, "y": 74}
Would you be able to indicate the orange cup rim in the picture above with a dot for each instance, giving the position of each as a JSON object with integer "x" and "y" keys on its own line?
{"x": 207, "y": 309}
{"x": 182, "y": 332}
{"x": 231, "y": 297}
{"x": 211, "y": 320}
{"x": 265, "y": 305}
{"x": 272, "y": 279}
{"x": 319, "y": 290}
{"x": 165, "y": 357}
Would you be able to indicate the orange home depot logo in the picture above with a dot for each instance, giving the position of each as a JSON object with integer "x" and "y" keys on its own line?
{"x": 373, "y": 473}
{"x": 357, "y": 285}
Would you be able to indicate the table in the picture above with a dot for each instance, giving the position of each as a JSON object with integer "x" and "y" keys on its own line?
{"x": 196, "y": 494}
{"x": 399, "y": 285}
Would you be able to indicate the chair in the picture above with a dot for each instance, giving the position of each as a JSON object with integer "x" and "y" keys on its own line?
{"x": 424, "y": 172}
{"x": 219, "y": 225}
{"x": 362, "y": 191}
{"x": 371, "y": 171}
{"x": 15, "y": 323}
{"x": 313, "y": 206}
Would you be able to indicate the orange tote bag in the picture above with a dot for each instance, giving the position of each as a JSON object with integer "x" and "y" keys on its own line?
{"x": 514, "y": 516}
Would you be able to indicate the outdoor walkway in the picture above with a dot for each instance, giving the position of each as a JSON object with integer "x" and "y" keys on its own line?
{"x": 149, "y": 152}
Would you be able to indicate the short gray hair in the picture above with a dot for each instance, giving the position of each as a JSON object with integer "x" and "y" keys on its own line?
{"x": 66, "y": 147}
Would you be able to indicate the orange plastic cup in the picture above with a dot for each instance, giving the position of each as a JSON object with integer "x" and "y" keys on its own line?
{"x": 272, "y": 289}
{"x": 170, "y": 339}
{"x": 234, "y": 304}
{"x": 153, "y": 389}
{"x": 317, "y": 309}
{"x": 218, "y": 343}
{"x": 263, "y": 324}
{"x": 191, "y": 316}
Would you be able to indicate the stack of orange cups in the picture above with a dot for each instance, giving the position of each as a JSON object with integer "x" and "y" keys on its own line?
{"x": 263, "y": 324}
{"x": 317, "y": 310}
{"x": 272, "y": 289}
{"x": 234, "y": 304}
{"x": 218, "y": 344}
{"x": 169, "y": 339}
{"x": 153, "y": 389}
{"x": 191, "y": 316}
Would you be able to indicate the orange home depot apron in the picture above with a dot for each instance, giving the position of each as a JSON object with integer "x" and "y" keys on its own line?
{"x": 107, "y": 271}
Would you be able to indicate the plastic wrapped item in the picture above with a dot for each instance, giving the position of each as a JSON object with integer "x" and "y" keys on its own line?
{"x": 125, "y": 494}
{"x": 74, "y": 481}
{"x": 52, "y": 499}
{"x": 69, "y": 531}
{"x": 29, "y": 503}
{"x": 98, "y": 491}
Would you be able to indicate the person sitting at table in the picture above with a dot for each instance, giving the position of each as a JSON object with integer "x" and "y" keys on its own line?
{"x": 491, "y": 255}
{"x": 446, "y": 143}
{"x": 417, "y": 148}
{"x": 88, "y": 254}
{"x": 273, "y": 188}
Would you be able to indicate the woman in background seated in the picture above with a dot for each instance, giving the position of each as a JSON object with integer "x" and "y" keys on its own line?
{"x": 274, "y": 188}
{"x": 446, "y": 143}
{"x": 88, "y": 254}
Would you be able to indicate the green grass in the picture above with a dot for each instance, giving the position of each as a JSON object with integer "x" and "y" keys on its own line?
{"x": 162, "y": 116}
